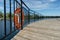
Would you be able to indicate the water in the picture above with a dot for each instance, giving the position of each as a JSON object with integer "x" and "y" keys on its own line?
{"x": 8, "y": 26}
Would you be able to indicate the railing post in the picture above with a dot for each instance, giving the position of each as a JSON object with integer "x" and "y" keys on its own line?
{"x": 39, "y": 16}
{"x": 14, "y": 14}
{"x": 21, "y": 16}
{"x": 5, "y": 17}
{"x": 34, "y": 16}
{"x": 10, "y": 19}
{"x": 16, "y": 5}
{"x": 28, "y": 17}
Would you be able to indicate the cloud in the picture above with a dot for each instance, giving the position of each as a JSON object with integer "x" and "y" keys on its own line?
{"x": 40, "y": 4}
{"x": 1, "y": 8}
{"x": 1, "y": 0}
{"x": 52, "y": 0}
{"x": 37, "y": 4}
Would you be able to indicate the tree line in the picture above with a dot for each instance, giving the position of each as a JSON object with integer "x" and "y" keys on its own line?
{"x": 7, "y": 15}
{"x": 12, "y": 15}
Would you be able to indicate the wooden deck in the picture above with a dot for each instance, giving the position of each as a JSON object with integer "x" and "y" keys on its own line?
{"x": 48, "y": 29}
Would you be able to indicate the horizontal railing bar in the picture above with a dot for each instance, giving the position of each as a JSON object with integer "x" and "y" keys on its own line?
{"x": 18, "y": 2}
{"x": 25, "y": 5}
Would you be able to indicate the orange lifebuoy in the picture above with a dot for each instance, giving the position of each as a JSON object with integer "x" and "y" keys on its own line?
{"x": 17, "y": 12}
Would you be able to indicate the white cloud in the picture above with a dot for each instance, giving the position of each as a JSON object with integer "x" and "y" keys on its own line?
{"x": 1, "y": 0}
{"x": 43, "y": 5}
{"x": 39, "y": 4}
{"x": 1, "y": 8}
{"x": 52, "y": 0}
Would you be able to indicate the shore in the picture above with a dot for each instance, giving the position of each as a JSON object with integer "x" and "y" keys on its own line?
{"x": 6, "y": 18}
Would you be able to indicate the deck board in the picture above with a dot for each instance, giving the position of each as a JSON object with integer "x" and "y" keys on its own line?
{"x": 48, "y": 29}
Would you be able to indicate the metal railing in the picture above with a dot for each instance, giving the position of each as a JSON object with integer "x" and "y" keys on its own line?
{"x": 30, "y": 16}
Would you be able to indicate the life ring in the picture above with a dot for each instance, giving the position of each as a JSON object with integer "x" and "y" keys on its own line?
{"x": 17, "y": 13}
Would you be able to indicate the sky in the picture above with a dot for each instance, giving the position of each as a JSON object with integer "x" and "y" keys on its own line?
{"x": 7, "y": 6}
{"x": 44, "y": 7}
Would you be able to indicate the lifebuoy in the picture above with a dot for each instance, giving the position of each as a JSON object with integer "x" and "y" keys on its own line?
{"x": 17, "y": 13}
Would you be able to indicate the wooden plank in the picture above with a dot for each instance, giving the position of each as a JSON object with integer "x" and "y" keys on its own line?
{"x": 48, "y": 29}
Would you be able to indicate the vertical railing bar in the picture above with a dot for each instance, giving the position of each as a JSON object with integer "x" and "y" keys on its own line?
{"x": 14, "y": 14}
{"x": 5, "y": 17}
{"x": 39, "y": 15}
{"x": 10, "y": 19}
{"x": 21, "y": 15}
{"x": 16, "y": 5}
{"x": 34, "y": 16}
{"x": 28, "y": 17}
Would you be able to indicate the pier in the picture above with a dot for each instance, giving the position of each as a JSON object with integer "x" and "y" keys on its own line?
{"x": 18, "y": 21}
{"x": 48, "y": 29}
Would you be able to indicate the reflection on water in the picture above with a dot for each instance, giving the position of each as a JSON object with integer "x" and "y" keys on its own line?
{"x": 1, "y": 28}
{"x": 8, "y": 26}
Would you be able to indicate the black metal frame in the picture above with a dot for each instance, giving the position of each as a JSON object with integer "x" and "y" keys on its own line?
{"x": 28, "y": 10}
{"x": 22, "y": 3}
{"x": 28, "y": 16}
{"x": 21, "y": 15}
{"x": 5, "y": 17}
{"x": 10, "y": 19}
{"x": 14, "y": 10}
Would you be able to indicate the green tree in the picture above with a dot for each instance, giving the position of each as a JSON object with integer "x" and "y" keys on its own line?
{"x": 8, "y": 15}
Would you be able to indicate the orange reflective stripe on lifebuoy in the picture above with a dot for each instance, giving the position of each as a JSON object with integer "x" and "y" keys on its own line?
{"x": 16, "y": 18}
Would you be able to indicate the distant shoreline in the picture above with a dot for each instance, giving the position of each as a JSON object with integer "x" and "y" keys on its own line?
{"x": 1, "y": 18}
{"x": 6, "y": 19}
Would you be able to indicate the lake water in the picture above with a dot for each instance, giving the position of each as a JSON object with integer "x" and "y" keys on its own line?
{"x": 8, "y": 26}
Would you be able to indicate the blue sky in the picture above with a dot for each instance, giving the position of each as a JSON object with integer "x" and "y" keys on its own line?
{"x": 7, "y": 6}
{"x": 45, "y": 7}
